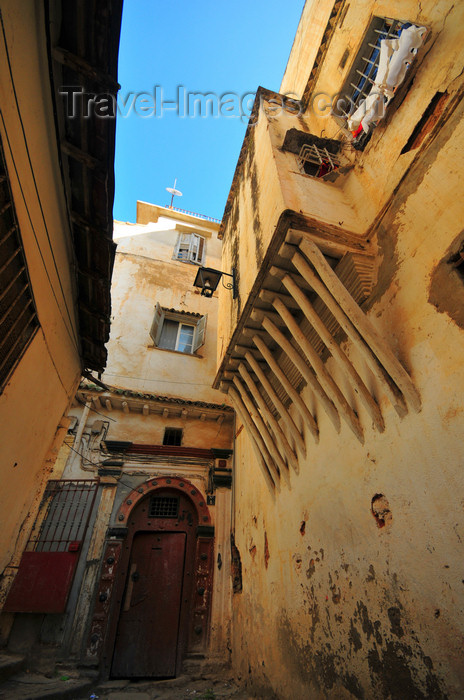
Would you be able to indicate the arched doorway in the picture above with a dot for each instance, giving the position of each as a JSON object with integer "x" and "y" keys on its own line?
{"x": 164, "y": 581}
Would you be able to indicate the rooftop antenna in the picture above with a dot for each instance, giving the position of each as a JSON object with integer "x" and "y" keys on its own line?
{"x": 173, "y": 192}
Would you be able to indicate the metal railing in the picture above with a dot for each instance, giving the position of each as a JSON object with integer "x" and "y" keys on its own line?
{"x": 316, "y": 161}
{"x": 194, "y": 213}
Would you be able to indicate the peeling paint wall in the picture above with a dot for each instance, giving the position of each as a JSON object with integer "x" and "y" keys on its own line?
{"x": 352, "y": 577}
{"x": 146, "y": 273}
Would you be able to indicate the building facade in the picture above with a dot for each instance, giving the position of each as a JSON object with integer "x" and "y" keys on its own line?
{"x": 56, "y": 249}
{"x": 136, "y": 519}
{"x": 342, "y": 355}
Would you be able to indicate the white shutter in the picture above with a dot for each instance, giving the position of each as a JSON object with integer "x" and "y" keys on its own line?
{"x": 157, "y": 325}
{"x": 182, "y": 249}
{"x": 201, "y": 248}
{"x": 199, "y": 338}
{"x": 193, "y": 251}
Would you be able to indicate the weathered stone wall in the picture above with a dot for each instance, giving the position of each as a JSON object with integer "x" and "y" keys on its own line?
{"x": 352, "y": 578}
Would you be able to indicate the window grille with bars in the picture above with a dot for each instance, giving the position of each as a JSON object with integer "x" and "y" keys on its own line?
{"x": 172, "y": 436}
{"x": 18, "y": 315}
{"x": 380, "y": 66}
{"x": 48, "y": 564}
{"x": 316, "y": 161}
{"x": 163, "y": 507}
{"x": 63, "y": 515}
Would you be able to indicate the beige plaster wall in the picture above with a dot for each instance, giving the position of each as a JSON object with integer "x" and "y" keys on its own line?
{"x": 332, "y": 605}
{"x": 145, "y": 273}
{"x": 268, "y": 180}
{"x": 354, "y": 610}
{"x": 436, "y": 68}
{"x": 41, "y": 387}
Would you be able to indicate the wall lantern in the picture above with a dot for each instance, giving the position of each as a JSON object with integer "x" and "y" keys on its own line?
{"x": 208, "y": 279}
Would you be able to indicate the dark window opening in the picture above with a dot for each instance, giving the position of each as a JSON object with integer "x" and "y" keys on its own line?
{"x": 316, "y": 156}
{"x": 172, "y": 436}
{"x": 18, "y": 316}
{"x": 163, "y": 507}
{"x": 426, "y": 123}
{"x": 457, "y": 262}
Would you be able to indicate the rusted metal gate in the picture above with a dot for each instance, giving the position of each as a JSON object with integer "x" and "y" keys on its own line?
{"x": 48, "y": 564}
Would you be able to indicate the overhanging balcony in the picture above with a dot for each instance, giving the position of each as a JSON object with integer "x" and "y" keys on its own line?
{"x": 304, "y": 350}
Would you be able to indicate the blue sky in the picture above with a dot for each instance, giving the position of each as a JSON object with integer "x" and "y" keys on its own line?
{"x": 206, "y": 47}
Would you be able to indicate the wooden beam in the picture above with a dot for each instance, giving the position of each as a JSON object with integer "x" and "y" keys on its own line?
{"x": 80, "y": 65}
{"x": 337, "y": 353}
{"x": 307, "y": 373}
{"x": 278, "y": 272}
{"x": 257, "y": 315}
{"x": 362, "y": 323}
{"x": 80, "y": 155}
{"x": 271, "y": 420}
{"x": 329, "y": 386}
{"x": 284, "y": 414}
{"x": 277, "y": 466}
{"x": 261, "y": 452}
{"x": 268, "y": 296}
{"x": 298, "y": 402}
{"x": 390, "y": 388}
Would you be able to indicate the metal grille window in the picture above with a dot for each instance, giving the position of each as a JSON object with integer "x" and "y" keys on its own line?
{"x": 48, "y": 563}
{"x": 316, "y": 161}
{"x": 172, "y": 436}
{"x": 18, "y": 315}
{"x": 366, "y": 64}
{"x": 377, "y": 72}
{"x": 163, "y": 507}
{"x": 63, "y": 516}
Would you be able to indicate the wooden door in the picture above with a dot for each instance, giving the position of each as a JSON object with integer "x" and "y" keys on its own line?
{"x": 148, "y": 629}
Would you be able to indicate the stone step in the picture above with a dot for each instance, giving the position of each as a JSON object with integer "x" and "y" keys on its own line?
{"x": 31, "y": 686}
{"x": 9, "y": 665}
{"x": 204, "y": 667}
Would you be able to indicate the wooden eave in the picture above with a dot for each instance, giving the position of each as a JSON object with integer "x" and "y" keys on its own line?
{"x": 85, "y": 54}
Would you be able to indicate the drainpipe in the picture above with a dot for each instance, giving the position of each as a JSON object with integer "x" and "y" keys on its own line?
{"x": 78, "y": 438}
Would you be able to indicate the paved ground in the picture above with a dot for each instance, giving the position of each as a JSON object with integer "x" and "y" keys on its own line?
{"x": 182, "y": 688}
{"x": 200, "y": 681}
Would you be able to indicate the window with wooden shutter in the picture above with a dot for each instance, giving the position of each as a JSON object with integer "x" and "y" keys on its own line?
{"x": 157, "y": 324}
{"x": 199, "y": 334}
{"x": 190, "y": 248}
{"x": 177, "y": 331}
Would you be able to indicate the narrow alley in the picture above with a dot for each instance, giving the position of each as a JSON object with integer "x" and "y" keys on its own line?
{"x": 198, "y": 681}
{"x": 231, "y": 449}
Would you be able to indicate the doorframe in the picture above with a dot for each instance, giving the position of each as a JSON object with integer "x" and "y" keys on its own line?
{"x": 196, "y": 615}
